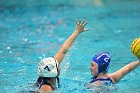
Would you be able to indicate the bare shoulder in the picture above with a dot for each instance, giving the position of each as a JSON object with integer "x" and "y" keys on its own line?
{"x": 45, "y": 88}
{"x": 111, "y": 76}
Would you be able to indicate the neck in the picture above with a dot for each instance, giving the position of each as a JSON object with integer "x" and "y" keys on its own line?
{"x": 52, "y": 80}
{"x": 102, "y": 75}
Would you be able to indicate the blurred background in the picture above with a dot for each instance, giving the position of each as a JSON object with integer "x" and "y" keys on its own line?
{"x": 34, "y": 29}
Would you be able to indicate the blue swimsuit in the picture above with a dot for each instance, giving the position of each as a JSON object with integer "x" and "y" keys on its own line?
{"x": 100, "y": 79}
{"x": 106, "y": 86}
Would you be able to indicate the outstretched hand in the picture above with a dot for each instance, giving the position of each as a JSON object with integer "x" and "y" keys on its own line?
{"x": 80, "y": 26}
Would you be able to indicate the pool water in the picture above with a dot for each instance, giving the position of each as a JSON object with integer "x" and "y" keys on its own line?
{"x": 31, "y": 30}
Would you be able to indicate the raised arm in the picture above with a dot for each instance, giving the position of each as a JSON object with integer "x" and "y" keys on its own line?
{"x": 80, "y": 27}
{"x": 116, "y": 76}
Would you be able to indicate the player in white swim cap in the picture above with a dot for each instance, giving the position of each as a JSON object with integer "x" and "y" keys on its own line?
{"x": 49, "y": 68}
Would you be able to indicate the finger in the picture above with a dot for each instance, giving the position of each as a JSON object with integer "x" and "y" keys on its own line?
{"x": 86, "y": 29}
{"x": 77, "y": 23}
{"x": 80, "y": 21}
{"x": 85, "y": 23}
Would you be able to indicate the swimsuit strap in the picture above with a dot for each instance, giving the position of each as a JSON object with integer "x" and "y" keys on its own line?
{"x": 100, "y": 79}
{"x": 104, "y": 79}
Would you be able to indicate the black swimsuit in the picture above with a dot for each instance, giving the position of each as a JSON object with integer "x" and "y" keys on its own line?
{"x": 44, "y": 81}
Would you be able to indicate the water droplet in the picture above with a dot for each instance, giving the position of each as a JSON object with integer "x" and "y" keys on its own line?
{"x": 40, "y": 57}
{"x": 8, "y": 48}
{"x": 10, "y": 52}
{"x": 25, "y": 39}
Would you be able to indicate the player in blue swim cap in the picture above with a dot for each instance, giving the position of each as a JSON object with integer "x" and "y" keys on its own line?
{"x": 103, "y": 61}
{"x": 99, "y": 67}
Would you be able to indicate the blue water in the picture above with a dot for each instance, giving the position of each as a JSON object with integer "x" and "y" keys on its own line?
{"x": 31, "y": 30}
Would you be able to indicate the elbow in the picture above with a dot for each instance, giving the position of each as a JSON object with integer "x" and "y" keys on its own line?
{"x": 65, "y": 51}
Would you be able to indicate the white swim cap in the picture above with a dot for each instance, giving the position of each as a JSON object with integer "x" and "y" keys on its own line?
{"x": 48, "y": 67}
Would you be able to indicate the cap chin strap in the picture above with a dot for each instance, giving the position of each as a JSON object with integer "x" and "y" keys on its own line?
{"x": 97, "y": 75}
{"x": 101, "y": 69}
{"x": 58, "y": 83}
{"x": 57, "y": 77}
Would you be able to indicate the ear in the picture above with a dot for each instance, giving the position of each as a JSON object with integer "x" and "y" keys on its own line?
{"x": 103, "y": 67}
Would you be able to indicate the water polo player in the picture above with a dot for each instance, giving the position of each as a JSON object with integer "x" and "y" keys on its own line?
{"x": 49, "y": 68}
{"x": 100, "y": 64}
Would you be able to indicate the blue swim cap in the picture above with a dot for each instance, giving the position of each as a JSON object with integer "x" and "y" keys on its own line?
{"x": 103, "y": 60}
